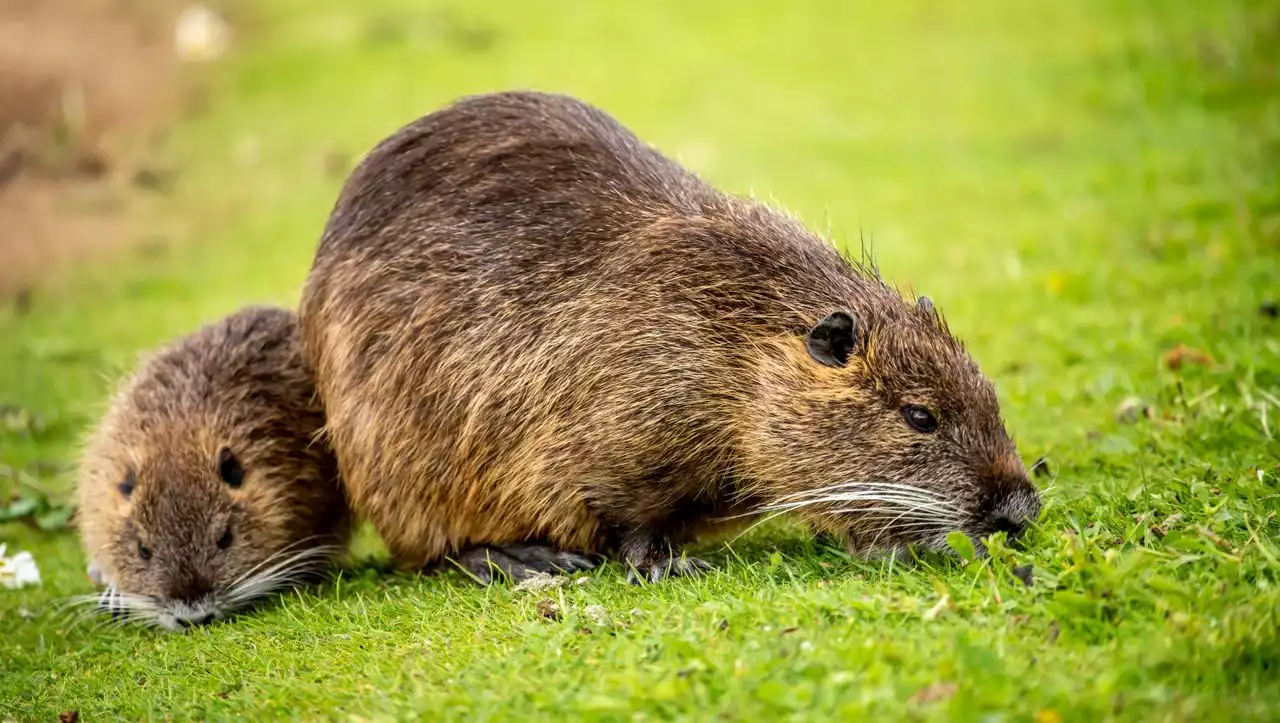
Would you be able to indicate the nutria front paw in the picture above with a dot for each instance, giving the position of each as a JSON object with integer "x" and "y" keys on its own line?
{"x": 668, "y": 567}
{"x": 520, "y": 562}
{"x": 651, "y": 557}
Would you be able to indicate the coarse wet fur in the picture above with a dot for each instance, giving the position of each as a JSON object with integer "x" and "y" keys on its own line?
{"x": 529, "y": 327}
{"x": 204, "y": 486}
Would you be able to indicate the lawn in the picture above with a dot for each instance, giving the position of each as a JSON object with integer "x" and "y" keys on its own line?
{"x": 1089, "y": 189}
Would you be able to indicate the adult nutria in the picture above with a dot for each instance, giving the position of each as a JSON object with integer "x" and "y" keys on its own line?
{"x": 203, "y": 487}
{"x": 528, "y": 326}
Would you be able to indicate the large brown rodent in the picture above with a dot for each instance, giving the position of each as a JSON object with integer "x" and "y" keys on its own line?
{"x": 204, "y": 486}
{"x": 528, "y": 326}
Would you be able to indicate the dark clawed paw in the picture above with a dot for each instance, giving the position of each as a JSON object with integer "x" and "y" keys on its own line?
{"x": 668, "y": 567}
{"x": 482, "y": 572}
{"x": 542, "y": 558}
{"x": 522, "y": 561}
{"x": 483, "y": 562}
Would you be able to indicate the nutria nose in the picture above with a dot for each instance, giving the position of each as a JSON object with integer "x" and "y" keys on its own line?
{"x": 201, "y": 620}
{"x": 1011, "y": 509}
{"x": 1012, "y": 528}
{"x": 1010, "y": 506}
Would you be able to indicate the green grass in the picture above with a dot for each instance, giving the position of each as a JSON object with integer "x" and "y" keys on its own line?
{"x": 1080, "y": 185}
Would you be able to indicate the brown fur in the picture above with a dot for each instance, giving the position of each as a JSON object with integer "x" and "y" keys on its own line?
{"x": 528, "y": 325}
{"x": 242, "y": 385}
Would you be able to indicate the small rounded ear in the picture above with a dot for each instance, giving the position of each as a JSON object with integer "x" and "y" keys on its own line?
{"x": 229, "y": 468}
{"x": 127, "y": 484}
{"x": 926, "y": 306}
{"x": 831, "y": 341}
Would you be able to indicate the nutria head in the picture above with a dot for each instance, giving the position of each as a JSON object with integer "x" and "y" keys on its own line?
{"x": 204, "y": 488}
{"x": 877, "y": 426}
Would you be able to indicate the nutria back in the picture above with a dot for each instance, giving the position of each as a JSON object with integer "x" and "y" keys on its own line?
{"x": 204, "y": 485}
{"x": 528, "y": 325}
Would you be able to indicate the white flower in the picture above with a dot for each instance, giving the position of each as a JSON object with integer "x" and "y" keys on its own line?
{"x": 19, "y": 570}
{"x": 200, "y": 35}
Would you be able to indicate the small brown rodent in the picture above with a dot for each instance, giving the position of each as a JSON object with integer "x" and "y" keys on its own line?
{"x": 204, "y": 486}
{"x": 535, "y": 334}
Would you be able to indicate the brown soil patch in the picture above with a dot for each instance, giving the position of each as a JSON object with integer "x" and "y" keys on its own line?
{"x": 78, "y": 80}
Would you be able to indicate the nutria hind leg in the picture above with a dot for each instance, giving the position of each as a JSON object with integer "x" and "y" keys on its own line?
{"x": 651, "y": 557}
{"x": 519, "y": 562}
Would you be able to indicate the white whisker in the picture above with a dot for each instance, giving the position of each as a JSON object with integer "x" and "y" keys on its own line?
{"x": 282, "y": 551}
{"x": 885, "y": 528}
{"x": 864, "y": 488}
{"x": 878, "y": 515}
{"x": 290, "y": 571}
{"x": 905, "y": 489}
{"x": 122, "y": 607}
{"x": 909, "y": 493}
{"x": 938, "y": 508}
{"x": 276, "y": 563}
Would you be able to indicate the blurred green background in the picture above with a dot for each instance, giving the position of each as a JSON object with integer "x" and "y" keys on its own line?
{"x": 1083, "y": 188}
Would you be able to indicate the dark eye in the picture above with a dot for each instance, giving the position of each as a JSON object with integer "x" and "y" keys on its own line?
{"x": 919, "y": 418}
{"x": 144, "y": 552}
{"x": 229, "y": 468}
{"x": 130, "y": 481}
{"x": 225, "y": 541}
